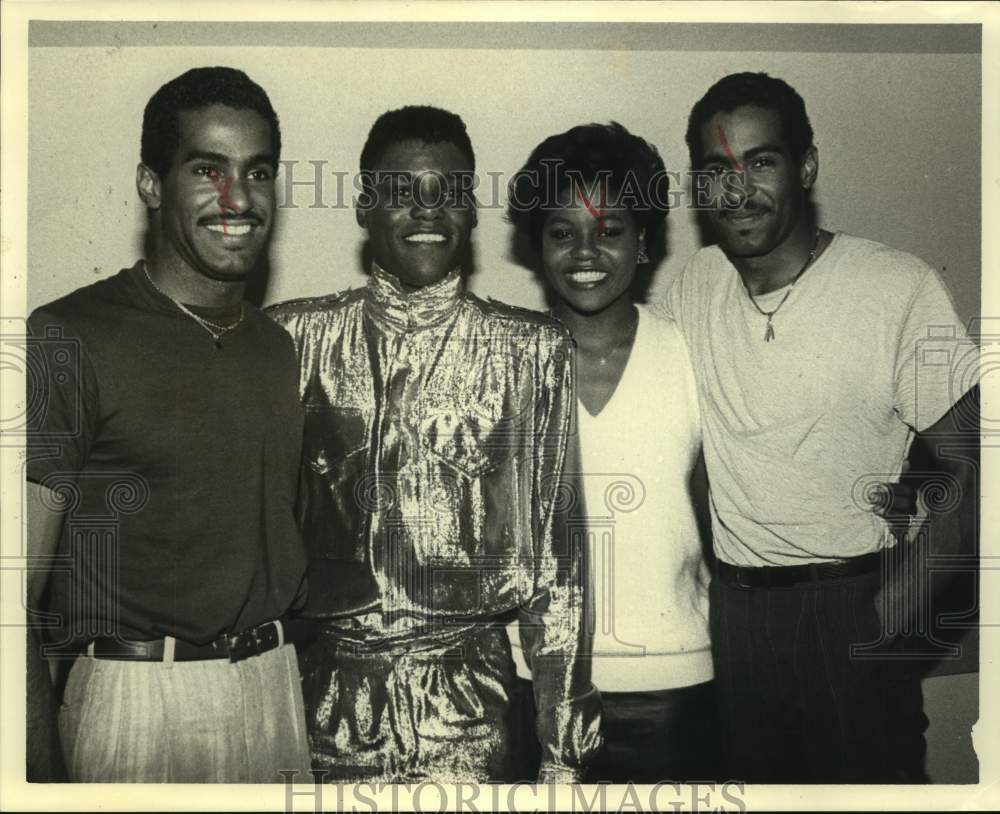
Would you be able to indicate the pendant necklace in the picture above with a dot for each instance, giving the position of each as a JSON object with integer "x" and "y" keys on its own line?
{"x": 769, "y": 330}
{"x": 214, "y": 330}
{"x": 624, "y": 342}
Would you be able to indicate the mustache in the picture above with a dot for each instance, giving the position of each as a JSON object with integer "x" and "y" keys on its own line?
{"x": 747, "y": 209}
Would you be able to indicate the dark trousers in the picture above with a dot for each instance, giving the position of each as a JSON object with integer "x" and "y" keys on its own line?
{"x": 649, "y": 737}
{"x": 796, "y": 705}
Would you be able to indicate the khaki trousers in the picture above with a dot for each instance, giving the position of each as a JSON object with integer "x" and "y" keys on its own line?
{"x": 211, "y": 721}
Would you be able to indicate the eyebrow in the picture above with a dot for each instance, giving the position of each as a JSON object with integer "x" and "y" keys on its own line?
{"x": 412, "y": 175}
{"x": 556, "y": 215}
{"x": 219, "y": 158}
{"x": 765, "y": 148}
{"x": 720, "y": 158}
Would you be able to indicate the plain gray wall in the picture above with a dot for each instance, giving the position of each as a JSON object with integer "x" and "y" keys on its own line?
{"x": 898, "y": 137}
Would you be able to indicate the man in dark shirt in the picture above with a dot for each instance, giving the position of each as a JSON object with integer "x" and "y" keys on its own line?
{"x": 162, "y": 468}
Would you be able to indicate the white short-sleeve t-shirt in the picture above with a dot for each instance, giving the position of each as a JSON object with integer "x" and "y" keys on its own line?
{"x": 867, "y": 349}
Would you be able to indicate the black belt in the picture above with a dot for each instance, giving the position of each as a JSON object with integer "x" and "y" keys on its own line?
{"x": 234, "y": 646}
{"x": 779, "y": 576}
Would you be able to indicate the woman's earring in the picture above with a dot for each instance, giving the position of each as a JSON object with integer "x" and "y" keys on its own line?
{"x": 641, "y": 257}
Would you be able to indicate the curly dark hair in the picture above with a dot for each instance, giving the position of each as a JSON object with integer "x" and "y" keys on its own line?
{"x": 752, "y": 90}
{"x": 609, "y": 153}
{"x": 431, "y": 125}
{"x": 195, "y": 90}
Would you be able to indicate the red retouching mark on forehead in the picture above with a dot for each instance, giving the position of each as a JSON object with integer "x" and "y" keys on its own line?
{"x": 225, "y": 202}
{"x": 729, "y": 150}
{"x": 598, "y": 215}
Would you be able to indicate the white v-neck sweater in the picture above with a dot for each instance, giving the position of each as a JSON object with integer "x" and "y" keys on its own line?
{"x": 648, "y": 575}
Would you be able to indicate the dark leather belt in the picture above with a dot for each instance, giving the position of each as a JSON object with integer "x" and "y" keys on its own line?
{"x": 782, "y": 576}
{"x": 234, "y": 646}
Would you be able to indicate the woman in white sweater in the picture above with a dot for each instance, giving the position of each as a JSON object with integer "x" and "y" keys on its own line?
{"x": 591, "y": 203}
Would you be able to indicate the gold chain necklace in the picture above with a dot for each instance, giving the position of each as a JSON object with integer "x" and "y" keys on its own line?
{"x": 214, "y": 330}
{"x": 769, "y": 330}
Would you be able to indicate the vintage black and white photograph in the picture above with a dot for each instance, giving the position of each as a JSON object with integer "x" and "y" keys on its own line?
{"x": 509, "y": 407}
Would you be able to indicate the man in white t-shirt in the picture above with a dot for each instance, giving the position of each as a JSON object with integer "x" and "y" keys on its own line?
{"x": 819, "y": 359}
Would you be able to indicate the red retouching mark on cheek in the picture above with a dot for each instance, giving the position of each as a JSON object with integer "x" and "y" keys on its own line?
{"x": 598, "y": 215}
{"x": 729, "y": 150}
{"x": 225, "y": 202}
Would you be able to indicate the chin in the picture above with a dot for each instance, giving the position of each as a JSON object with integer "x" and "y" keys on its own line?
{"x": 587, "y": 308}
{"x": 423, "y": 277}
{"x": 741, "y": 250}
{"x": 229, "y": 275}
{"x": 226, "y": 274}
{"x": 745, "y": 246}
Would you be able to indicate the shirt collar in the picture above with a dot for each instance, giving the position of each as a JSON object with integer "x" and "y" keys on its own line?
{"x": 393, "y": 307}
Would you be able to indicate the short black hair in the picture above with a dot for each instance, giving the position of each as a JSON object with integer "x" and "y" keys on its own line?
{"x": 588, "y": 153}
{"x": 195, "y": 90}
{"x": 430, "y": 125}
{"x": 752, "y": 90}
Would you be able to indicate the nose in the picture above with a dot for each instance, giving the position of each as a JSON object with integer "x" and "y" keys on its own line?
{"x": 428, "y": 197}
{"x": 749, "y": 187}
{"x": 585, "y": 245}
{"x": 426, "y": 211}
{"x": 234, "y": 195}
{"x": 737, "y": 188}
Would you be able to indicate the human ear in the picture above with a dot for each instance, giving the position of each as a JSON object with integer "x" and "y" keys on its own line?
{"x": 149, "y": 186}
{"x": 810, "y": 167}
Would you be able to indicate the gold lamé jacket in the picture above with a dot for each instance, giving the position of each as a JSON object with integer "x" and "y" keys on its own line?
{"x": 437, "y": 426}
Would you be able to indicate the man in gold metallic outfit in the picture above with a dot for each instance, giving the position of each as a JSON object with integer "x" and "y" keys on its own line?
{"x": 432, "y": 497}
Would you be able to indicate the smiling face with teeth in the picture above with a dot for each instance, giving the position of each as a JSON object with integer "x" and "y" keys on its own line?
{"x": 589, "y": 253}
{"x": 774, "y": 213}
{"x": 213, "y": 209}
{"x": 418, "y": 227}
